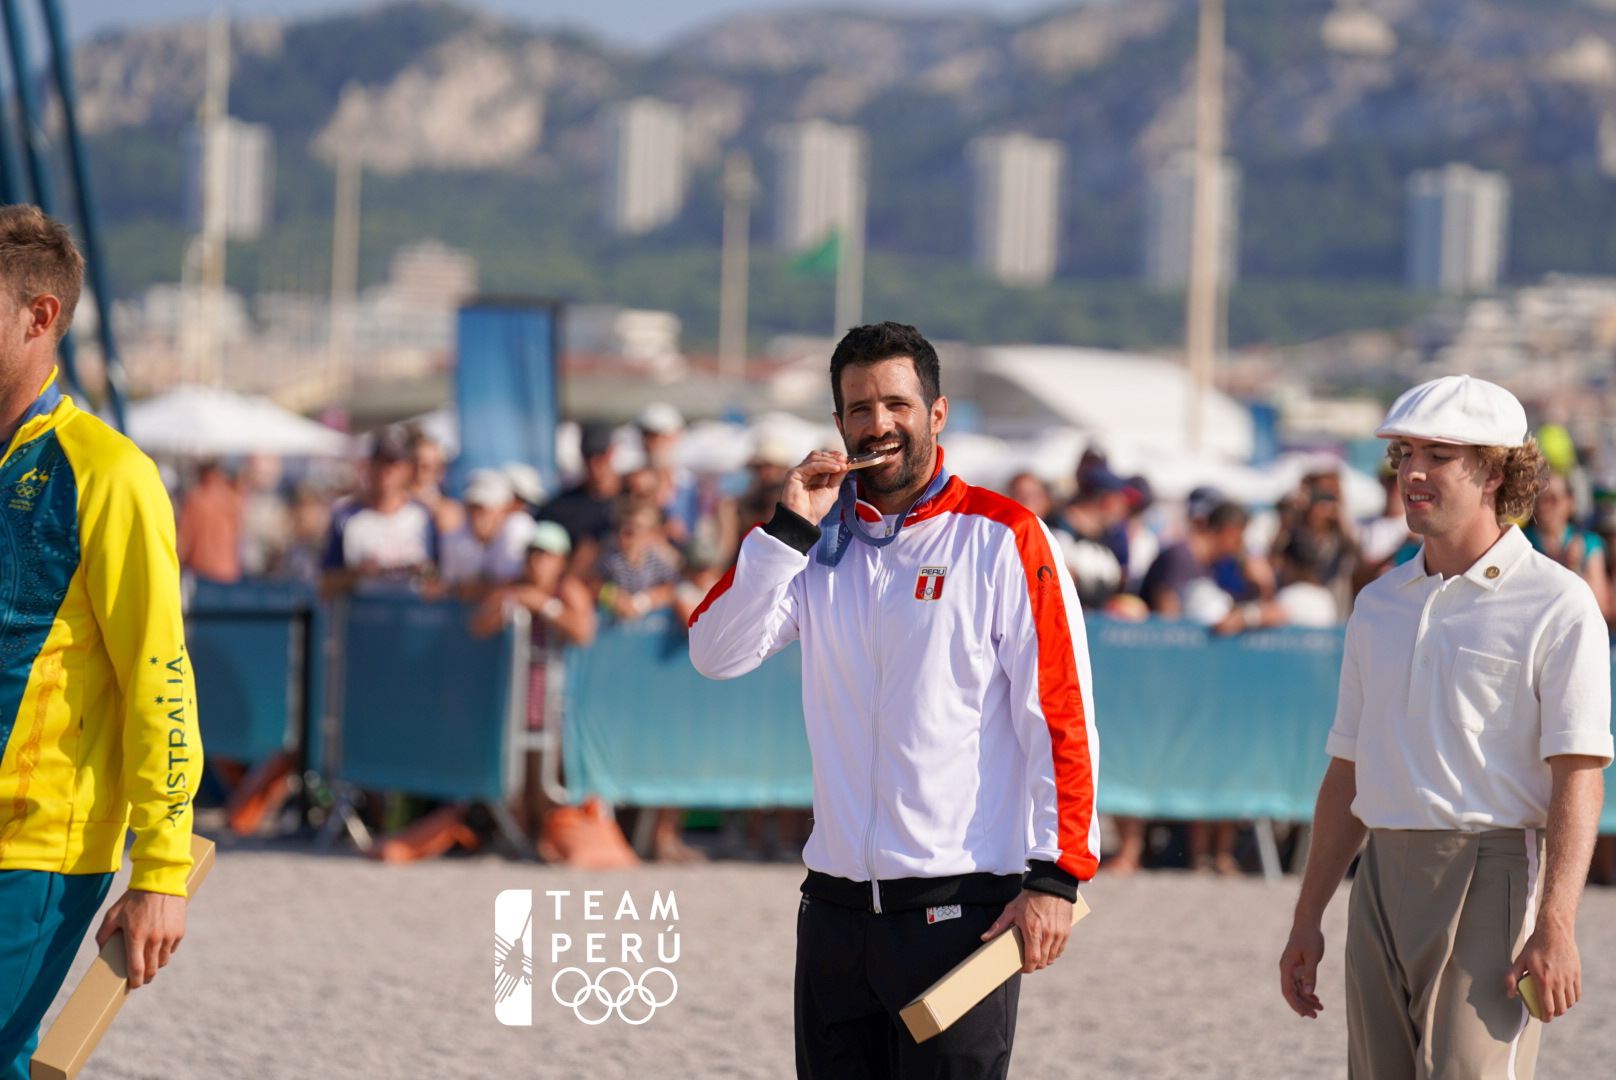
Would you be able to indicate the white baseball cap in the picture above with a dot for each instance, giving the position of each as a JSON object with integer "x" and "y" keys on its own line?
{"x": 660, "y": 418}
{"x": 1457, "y": 409}
{"x": 525, "y": 481}
{"x": 488, "y": 488}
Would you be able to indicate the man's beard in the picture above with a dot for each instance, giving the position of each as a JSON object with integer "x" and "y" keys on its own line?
{"x": 913, "y": 460}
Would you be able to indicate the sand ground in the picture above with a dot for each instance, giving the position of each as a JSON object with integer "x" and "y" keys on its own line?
{"x": 307, "y": 965}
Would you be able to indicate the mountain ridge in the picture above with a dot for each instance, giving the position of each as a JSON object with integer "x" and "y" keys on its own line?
{"x": 1330, "y": 106}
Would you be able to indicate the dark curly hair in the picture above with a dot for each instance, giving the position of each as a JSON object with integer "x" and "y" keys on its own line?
{"x": 1522, "y": 469}
{"x": 866, "y": 345}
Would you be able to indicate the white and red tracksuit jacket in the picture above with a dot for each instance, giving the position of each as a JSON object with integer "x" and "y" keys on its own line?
{"x": 946, "y": 688}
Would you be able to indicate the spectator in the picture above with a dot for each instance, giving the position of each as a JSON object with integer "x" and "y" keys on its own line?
{"x": 639, "y": 572}
{"x": 585, "y": 511}
{"x": 1553, "y": 532}
{"x": 266, "y": 522}
{"x": 427, "y": 489}
{"x": 491, "y": 548}
{"x": 310, "y": 518}
{"x": 1180, "y": 583}
{"x": 1109, "y": 492}
{"x": 703, "y": 566}
{"x": 1084, "y": 526}
{"x": 208, "y": 534}
{"x": 673, "y": 487}
{"x": 771, "y": 460}
{"x": 1381, "y": 539}
{"x": 1143, "y": 543}
{"x": 1302, "y": 601}
{"x": 1031, "y": 492}
{"x": 562, "y": 614}
{"x": 382, "y": 533}
{"x": 527, "y": 483}
{"x": 1317, "y": 538}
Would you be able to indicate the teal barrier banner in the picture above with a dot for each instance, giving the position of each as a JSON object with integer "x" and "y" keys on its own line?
{"x": 425, "y": 706}
{"x": 1194, "y": 726}
{"x": 1191, "y": 726}
{"x": 249, "y": 650}
{"x": 643, "y": 727}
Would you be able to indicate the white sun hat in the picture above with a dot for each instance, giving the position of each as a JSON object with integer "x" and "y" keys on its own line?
{"x": 1457, "y": 409}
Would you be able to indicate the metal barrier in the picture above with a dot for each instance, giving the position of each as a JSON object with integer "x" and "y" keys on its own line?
{"x": 1191, "y": 726}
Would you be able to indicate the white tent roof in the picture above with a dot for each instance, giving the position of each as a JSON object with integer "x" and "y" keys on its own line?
{"x": 1122, "y": 400}
{"x": 204, "y": 421}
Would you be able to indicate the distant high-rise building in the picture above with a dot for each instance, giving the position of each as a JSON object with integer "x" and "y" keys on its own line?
{"x": 1017, "y": 206}
{"x": 819, "y": 183}
{"x": 247, "y": 157}
{"x": 1458, "y": 229}
{"x": 645, "y": 165}
{"x": 1169, "y": 218}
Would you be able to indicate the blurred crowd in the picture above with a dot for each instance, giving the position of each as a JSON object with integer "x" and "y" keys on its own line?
{"x": 618, "y": 543}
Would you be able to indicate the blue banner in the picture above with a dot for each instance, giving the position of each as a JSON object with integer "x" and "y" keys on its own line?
{"x": 505, "y": 386}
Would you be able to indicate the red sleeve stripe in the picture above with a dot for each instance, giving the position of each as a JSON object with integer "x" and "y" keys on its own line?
{"x": 720, "y": 587}
{"x": 1060, "y": 691}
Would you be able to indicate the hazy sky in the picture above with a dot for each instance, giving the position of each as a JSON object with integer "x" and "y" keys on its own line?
{"x": 629, "y": 22}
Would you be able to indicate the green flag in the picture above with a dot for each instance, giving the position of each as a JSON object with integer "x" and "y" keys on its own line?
{"x": 818, "y": 261}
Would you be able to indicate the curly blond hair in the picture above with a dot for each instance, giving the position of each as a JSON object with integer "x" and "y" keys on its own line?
{"x": 1522, "y": 471}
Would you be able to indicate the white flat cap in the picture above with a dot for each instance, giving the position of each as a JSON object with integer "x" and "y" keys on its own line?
{"x": 1457, "y": 409}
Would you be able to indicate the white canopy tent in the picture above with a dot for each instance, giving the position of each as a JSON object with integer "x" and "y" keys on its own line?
{"x": 201, "y": 421}
{"x": 1122, "y": 401}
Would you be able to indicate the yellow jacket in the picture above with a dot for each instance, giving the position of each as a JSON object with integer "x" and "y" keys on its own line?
{"x": 97, "y": 704}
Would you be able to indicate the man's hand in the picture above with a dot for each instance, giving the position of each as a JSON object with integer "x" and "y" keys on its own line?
{"x": 1046, "y": 923}
{"x": 1299, "y": 970}
{"x": 1550, "y": 957}
{"x": 153, "y": 925}
{"x": 811, "y": 488}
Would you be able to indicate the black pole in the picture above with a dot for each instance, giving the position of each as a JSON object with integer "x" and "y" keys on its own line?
{"x": 11, "y": 183}
{"x": 84, "y": 192}
{"x": 33, "y": 135}
{"x": 35, "y": 149}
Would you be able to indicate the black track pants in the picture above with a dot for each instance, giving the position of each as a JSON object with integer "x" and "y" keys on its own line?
{"x": 857, "y": 969}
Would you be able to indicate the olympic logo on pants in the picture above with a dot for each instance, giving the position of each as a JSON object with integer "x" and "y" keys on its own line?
{"x": 596, "y": 990}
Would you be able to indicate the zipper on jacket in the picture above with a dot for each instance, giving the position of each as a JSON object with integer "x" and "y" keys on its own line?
{"x": 875, "y": 733}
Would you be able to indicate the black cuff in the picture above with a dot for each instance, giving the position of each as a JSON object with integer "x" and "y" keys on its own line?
{"x": 1046, "y": 877}
{"x": 792, "y": 530}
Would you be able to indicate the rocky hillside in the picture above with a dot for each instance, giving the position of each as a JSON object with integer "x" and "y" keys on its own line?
{"x": 1331, "y": 103}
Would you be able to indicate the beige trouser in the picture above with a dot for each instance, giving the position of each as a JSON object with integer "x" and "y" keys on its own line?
{"x": 1435, "y": 919}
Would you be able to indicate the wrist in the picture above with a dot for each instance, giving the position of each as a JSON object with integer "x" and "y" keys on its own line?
{"x": 1554, "y": 923}
{"x": 792, "y": 529}
{"x": 1044, "y": 876}
{"x": 1307, "y": 917}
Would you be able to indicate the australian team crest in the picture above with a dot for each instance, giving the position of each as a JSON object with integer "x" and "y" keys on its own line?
{"x": 929, "y": 586}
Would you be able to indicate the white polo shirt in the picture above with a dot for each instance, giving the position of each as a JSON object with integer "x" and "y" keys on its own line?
{"x": 1453, "y": 692}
